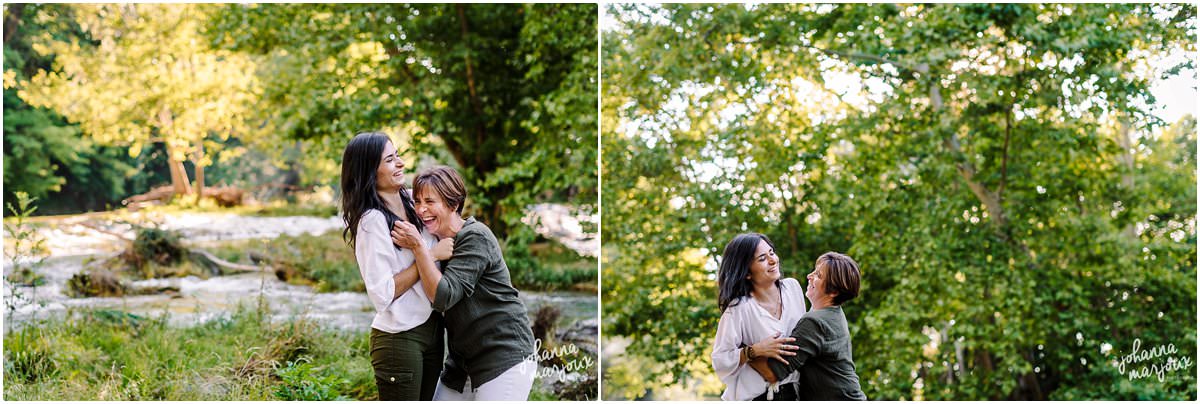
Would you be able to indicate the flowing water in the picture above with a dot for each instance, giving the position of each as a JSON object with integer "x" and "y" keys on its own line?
{"x": 73, "y": 240}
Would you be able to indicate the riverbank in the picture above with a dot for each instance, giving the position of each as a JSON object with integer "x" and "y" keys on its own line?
{"x": 112, "y": 346}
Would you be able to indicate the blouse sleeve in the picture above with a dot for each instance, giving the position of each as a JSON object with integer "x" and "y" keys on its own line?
{"x": 726, "y": 350}
{"x": 374, "y": 251}
{"x": 463, "y": 270}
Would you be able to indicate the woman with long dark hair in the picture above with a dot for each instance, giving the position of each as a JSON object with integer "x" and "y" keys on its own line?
{"x": 406, "y": 334}
{"x": 491, "y": 343}
{"x": 758, "y": 311}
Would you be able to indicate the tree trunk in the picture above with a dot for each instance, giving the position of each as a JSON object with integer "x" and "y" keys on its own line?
{"x": 179, "y": 178}
{"x": 1126, "y": 160}
{"x": 12, "y": 21}
{"x": 199, "y": 162}
{"x": 494, "y": 216}
{"x": 474, "y": 97}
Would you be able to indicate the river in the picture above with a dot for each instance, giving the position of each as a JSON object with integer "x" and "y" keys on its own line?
{"x": 72, "y": 240}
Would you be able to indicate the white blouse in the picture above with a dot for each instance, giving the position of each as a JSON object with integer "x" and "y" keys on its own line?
{"x": 747, "y": 323}
{"x": 378, "y": 260}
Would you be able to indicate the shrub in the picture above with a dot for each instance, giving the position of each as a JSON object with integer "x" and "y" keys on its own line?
{"x": 28, "y": 248}
{"x": 301, "y": 381}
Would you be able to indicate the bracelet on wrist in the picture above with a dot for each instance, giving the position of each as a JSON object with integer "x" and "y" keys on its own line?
{"x": 750, "y": 353}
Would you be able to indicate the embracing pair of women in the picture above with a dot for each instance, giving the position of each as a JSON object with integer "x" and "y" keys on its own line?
{"x": 769, "y": 346}
{"x": 429, "y": 272}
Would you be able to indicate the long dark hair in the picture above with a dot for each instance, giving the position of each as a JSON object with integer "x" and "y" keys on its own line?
{"x": 732, "y": 284}
{"x": 360, "y": 162}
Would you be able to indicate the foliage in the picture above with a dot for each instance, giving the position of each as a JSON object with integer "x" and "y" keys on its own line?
{"x": 28, "y": 247}
{"x": 157, "y": 245}
{"x": 68, "y": 169}
{"x": 508, "y": 90}
{"x": 323, "y": 261}
{"x": 551, "y": 266}
{"x": 301, "y": 382}
{"x": 995, "y": 169}
{"x": 142, "y": 75}
{"x": 109, "y": 355}
{"x": 95, "y": 282}
{"x": 42, "y": 151}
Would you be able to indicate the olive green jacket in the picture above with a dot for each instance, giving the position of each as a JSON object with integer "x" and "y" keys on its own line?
{"x": 487, "y": 325}
{"x": 824, "y": 358}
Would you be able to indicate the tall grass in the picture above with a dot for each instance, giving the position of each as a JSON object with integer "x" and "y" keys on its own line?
{"x": 108, "y": 355}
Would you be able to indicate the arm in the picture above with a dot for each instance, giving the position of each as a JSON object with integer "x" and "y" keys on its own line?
{"x": 809, "y": 340}
{"x": 407, "y": 236}
{"x": 374, "y": 252}
{"x": 472, "y": 257}
{"x": 763, "y": 367}
{"x": 727, "y": 356}
{"x": 405, "y": 280}
{"x": 408, "y": 278}
{"x": 728, "y": 353}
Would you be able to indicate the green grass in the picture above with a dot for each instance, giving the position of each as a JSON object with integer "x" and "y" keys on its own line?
{"x": 107, "y": 355}
{"x": 113, "y": 355}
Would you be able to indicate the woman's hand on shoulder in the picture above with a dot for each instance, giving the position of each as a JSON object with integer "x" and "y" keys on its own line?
{"x": 775, "y": 347}
{"x": 444, "y": 249}
{"x": 405, "y": 235}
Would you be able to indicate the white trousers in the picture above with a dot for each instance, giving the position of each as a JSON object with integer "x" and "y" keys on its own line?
{"x": 512, "y": 385}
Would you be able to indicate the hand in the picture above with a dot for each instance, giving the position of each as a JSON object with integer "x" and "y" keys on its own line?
{"x": 406, "y": 235}
{"x": 775, "y": 347}
{"x": 444, "y": 249}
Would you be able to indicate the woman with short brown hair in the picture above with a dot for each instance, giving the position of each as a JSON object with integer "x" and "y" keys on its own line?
{"x": 491, "y": 342}
{"x": 824, "y": 360}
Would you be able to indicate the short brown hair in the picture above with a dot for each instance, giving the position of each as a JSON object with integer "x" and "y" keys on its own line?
{"x": 446, "y": 182}
{"x": 841, "y": 276}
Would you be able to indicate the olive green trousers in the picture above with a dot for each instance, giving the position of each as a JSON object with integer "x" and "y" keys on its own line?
{"x": 408, "y": 363}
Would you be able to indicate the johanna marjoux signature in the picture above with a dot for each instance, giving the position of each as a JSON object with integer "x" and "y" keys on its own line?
{"x": 1157, "y": 361}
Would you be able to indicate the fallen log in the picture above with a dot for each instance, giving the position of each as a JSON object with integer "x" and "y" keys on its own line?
{"x": 225, "y": 196}
{"x": 208, "y": 259}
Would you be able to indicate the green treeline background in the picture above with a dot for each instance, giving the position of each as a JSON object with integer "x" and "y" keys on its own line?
{"x": 104, "y": 101}
{"x": 1020, "y": 213}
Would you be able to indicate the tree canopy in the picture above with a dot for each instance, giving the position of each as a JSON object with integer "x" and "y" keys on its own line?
{"x": 143, "y": 75}
{"x": 1020, "y": 215}
{"x": 45, "y": 155}
{"x": 508, "y": 90}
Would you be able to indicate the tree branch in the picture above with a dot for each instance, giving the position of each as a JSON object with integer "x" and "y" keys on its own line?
{"x": 12, "y": 21}
{"x": 920, "y": 68}
{"x": 394, "y": 52}
{"x": 1004, "y": 161}
{"x": 965, "y": 168}
{"x": 475, "y": 104}
{"x": 990, "y": 199}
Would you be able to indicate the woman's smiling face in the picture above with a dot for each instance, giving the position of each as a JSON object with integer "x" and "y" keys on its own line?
{"x": 816, "y": 285}
{"x": 432, "y": 211}
{"x": 389, "y": 177}
{"x": 764, "y": 265}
